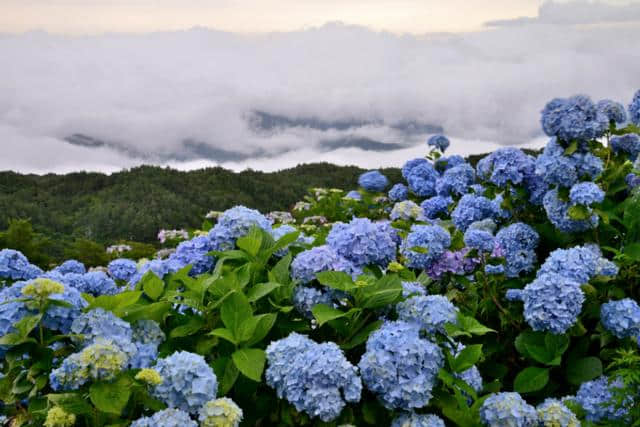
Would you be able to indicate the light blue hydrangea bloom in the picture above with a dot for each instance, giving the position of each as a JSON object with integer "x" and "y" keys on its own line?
{"x": 586, "y": 193}
{"x": 400, "y": 367}
{"x": 580, "y": 263}
{"x": 446, "y": 162}
{"x": 422, "y": 179}
{"x": 95, "y": 283}
{"x": 436, "y": 206}
{"x": 456, "y": 180}
{"x": 551, "y": 302}
{"x": 194, "y": 252}
{"x": 305, "y": 298}
{"x": 598, "y": 401}
{"x": 440, "y": 142}
{"x": 399, "y": 193}
{"x": 373, "y": 181}
{"x": 316, "y": 378}
{"x": 410, "y": 164}
{"x": 507, "y": 409}
{"x": 558, "y": 214}
{"x": 472, "y": 208}
{"x": 158, "y": 267}
{"x": 506, "y": 165}
{"x": 480, "y": 240}
{"x": 621, "y": 318}
{"x": 574, "y": 118}
{"x": 188, "y": 381}
{"x": 553, "y": 412}
{"x": 433, "y": 238}
{"x": 412, "y": 288}
{"x": 556, "y": 168}
{"x": 166, "y": 418}
{"x": 11, "y": 312}
{"x": 147, "y": 331}
{"x": 412, "y": 419}
{"x": 233, "y": 223}
{"x": 614, "y": 111}
{"x": 430, "y": 312}
{"x": 141, "y": 355}
{"x": 634, "y": 109}
{"x": 99, "y": 323}
{"x": 517, "y": 243}
{"x": 71, "y": 266}
{"x": 15, "y": 266}
{"x": 59, "y": 318}
{"x": 122, "y": 269}
{"x": 308, "y": 263}
{"x": 406, "y": 211}
{"x": 353, "y": 194}
{"x": 363, "y": 242}
{"x": 628, "y": 144}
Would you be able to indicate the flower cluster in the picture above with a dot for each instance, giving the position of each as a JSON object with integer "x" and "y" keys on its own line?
{"x": 455, "y": 262}
{"x": 558, "y": 213}
{"x": 436, "y": 206}
{"x": 15, "y": 266}
{"x": 472, "y": 208}
{"x": 234, "y": 223}
{"x": 58, "y": 417}
{"x": 455, "y": 180}
{"x": 430, "y": 312}
{"x": 412, "y": 288}
{"x": 508, "y": 409}
{"x": 557, "y": 168}
{"x": 308, "y": 263}
{"x": 399, "y": 366}
{"x": 597, "y": 399}
{"x": 398, "y": 193}
{"x": 221, "y": 412}
{"x": 621, "y": 318}
{"x": 580, "y": 263}
{"x": 628, "y": 144}
{"x": 574, "y": 118}
{"x": 305, "y": 298}
{"x": 71, "y": 266}
{"x": 424, "y": 245}
{"x": 440, "y": 142}
{"x": 412, "y": 419}
{"x": 614, "y": 111}
{"x": 363, "y": 242}
{"x": 422, "y": 178}
{"x": 315, "y": 378}
{"x": 634, "y": 109}
{"x": 373, "y": 181}
{"x": 553, "y": 412}
{"x": 194, "y": 252}
{"x": 122, "y": 269}
{"x": 506, "y": 165}
{"x": 406, "y": 211}
{"x": 517, "y": 244}
{"x": 166, "y": 418}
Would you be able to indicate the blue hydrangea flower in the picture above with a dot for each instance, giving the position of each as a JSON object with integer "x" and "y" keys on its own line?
{"x": 580, "y": 263}
{"x": 433, "y": 238}
{"x": 574, "y": 118}
{"x": 233, "y": 223}
{"x": 409, "y": 165}
{"x": 556, "y": 168}
{"x": 422, "y": 179}
{"x": 147, "y": 331}
{"x": 487, "y": 225}
{"x": 494, "y": 269}
{"x": 398, "y": 193}
{"x": 628, "y": 144}
{"x": 456, "y": 180}
{"x": 436, "y": 206}
{"x": 373, "y": 181}
{"x": 11, "y": 312}
{"x": 122, "y": 269}
{"x": 71, "y": 266}
{"x": 59, "y": 318}
{"x": 472, "y": 208}
{"x": 446, "y": 162}
{"x": 99, "y": 323}
{"x": 517, "y": 244}
{"x": 143, "y": 356}
{"x": 188, "y": 382}
{"x": 614, "y": 111}
{"x": 166, "y": 418}
{"x": 15, "y": 266}
{"x": 97, "y": 283}
{"x": 586, "y": 193}
{"x": 553, "y": 412}
{"x": 506, "y": 165}
{"x": 440, "y": 142}
{"x": 472, "y": 377}
{"x": 353, "y": 194}
{"x": 621, "y": 318}
{"x": 481, "y": 240}
{"x": 634, "y": 109}
{"x": 194, "y": 252}
{"x": 362, "y": 242}
{"x": 158, "y": 267}
{"x": 536, "y": 188}
{"x": 412, "y": 419}
{"x": 551, "y": 302}
{"x": 430, "y": 312}
{"x": 412, "y": 288}
{"x": 456, "y": 262}
{"x": 308, "y": 263}
{"x": 632, "y": 180}
{"x": 315, "y": 378}
{"x": 599, "y": 402}
{"x": 399, "y": 366}
{"x": 305, "y": 298}
{"x": 558, "y": 214}
{"x": 507, "y": 409}
{"x": 406, "y": 211}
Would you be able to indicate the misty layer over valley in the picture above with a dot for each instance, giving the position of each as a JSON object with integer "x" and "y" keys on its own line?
{"x": 338, "y": 93}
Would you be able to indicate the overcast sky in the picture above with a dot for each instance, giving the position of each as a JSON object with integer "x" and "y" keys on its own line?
{"x": 483, "y": 73}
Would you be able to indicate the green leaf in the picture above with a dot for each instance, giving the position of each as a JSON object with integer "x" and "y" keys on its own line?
{"x": 193, "y": 325}
{"x": 323, "y": 313}
{"x": 251, "y": 242}
{"x": 265, "y": 323}
{"x": 280, "y": 272}
{"x": 582, "y": 370}
{"x": 152, "y": 286}
{"x": 229, "y": 378}
{"x": 247, "y": 328}
{"x": 111, "y": 397}
{"x": 531, "y": 379}
{"x": 155, "y": 311}
{"x": 224, "y": 333}
{"x": 467, "y": 358}
{"x": 111, "y": 302}
{"x": 284, "y": 241}
{"x": 542, "y": 347}
{"x": 234, "y": 310}
{"x": 71, "y": 402}
{"x": 260, "y": 290}
{"x": 632, "y": 250}
{"x": 571, "y": 148}
{"x": 336, "y": 280}
{"x": 250, "y": 361}
{"x": 385, "y": 291}
{"x": 471, "y": 325}
{"x": 362, "y": 336}
{"x": 27, "y": 324}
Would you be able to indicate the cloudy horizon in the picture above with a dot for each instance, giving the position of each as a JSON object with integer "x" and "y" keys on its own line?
{"x": 337, "y": 92}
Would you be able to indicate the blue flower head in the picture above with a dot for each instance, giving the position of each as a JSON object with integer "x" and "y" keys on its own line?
{"x": 553, "y": 412}
{"x": 574, "y": 118}
{"x": 170, "y": 417}
{"x": 440, "y": 142}
{"x": 580, "y": 263}
{"x": 362, "y": 242}
{"x": 233, "y": 223}
{"x": 194, "y": 252}
{"x": 506, "y": 165}
{"x": 316, "y": 378}
{"x": 99, "y": 323}
{"x": 621, "y": 318}
{"x": 430, "y": 313}
{"x": 412, "y": 288}
{"x": 551, "y": 303}
{"x": 447, "y": 162}
{"x": 628, "y": 144}
{"x": 412, "y": 419}
{"x": 399, "y": 366}
{"x": 586, "y": 193}
{"x": 597, "y": 399}
{"x": 614, "y": 111}
{"x": 308, "y": 263}
{"x": 422, "y": 179}
{"x": 517, "y": 244}
{"x": 305, "y": 298}
{"x": 15, "y": 266}
{"x": 60, "y": 318}
{"x": 373, "y": 181}
{"x": 558, "y": 213}
{"x": 97, "y": 283}
{"x": 122, "y": 269}
{"x": 147, "y": 331}
{"x": 188, "y": 382}
{"x": 508, "y": 409}
{"x": 353, "y": 194}
{"x": 159, "y": 267}
{"x": 398, "y": 193}
{"x": 436, "y": 206}
{"x": 432, "y": 238}
{"x": 456, "y": 180}
{"x": 472, "y": 208}
{"x": 481, "y": 240}
{"x": 71, "y": 266}
{"x": 410, "y": 164}
{"x": 556, "y": 168}
{"x": 11, "y": 312}
{"x": 634, "y": 109}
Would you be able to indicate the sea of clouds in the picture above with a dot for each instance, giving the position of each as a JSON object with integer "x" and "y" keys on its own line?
{"x": 144, "y": 95}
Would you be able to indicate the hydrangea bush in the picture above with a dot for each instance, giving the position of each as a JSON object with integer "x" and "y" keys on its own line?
{"x": 498, "y": 293}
